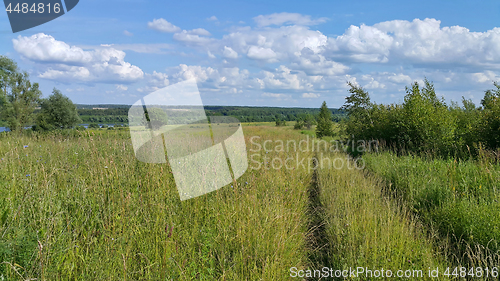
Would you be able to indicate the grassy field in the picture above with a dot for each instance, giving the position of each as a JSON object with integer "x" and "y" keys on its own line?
{"x": 77, "y": 205}
{"x": 83, "y": 208}
{"x": 459, "y": 199}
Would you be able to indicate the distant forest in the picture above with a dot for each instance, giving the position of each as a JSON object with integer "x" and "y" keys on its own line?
{"x": 112, "y": 113}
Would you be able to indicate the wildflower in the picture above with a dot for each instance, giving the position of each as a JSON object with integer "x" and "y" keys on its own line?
{"x": 28, "y": 175}
{"x": 25, "y": 146}
{"x": 245, "y": 182}
{"x": 105, "y": 167}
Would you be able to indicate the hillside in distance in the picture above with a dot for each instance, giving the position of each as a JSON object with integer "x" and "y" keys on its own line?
{"x": 113, "y": 113}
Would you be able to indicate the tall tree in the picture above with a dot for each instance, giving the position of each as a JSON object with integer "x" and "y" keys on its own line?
{"x": 58, "y": 112}
{"x": 324, "y": 127}
{"x": 18, "y": 96}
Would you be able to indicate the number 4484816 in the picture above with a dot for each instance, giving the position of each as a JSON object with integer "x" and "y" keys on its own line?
{"x": 472, "y": 272}
{"x": 34, "y": 8}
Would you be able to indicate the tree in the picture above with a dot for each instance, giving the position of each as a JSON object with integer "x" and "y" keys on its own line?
{"x": 18, "y": 96}
{"x": 57, "y": 112}
{"x": 279, "y": 122}
{"x": 490, "y": 124}
{"x": 324, "y": 127}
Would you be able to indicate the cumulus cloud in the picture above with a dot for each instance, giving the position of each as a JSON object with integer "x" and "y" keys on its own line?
{"x": 286, "y": 18}
{"x": 128, "y": 33}
{"x": 155, "y": 81}
{"x": 229, "y": 53}
{"x": 310, "y": 95}
{"x": 163, "y": 26}
{"x": 419, "y": 42}
{"x": 212, "y": 18}
{"x": 199, "y": 31}
{"x": 281, "y": 78}
{"x": 191, "y": 38}
{"x": 63, "y": 62}
{"x": 260, "y": 53}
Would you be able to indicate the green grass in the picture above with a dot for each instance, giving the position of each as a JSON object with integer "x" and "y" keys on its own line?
{"x": 77, "y": 205}
{"x": 80, "y": 206}
{"x": 366, "y": 229}
{"x": 458, "y": 199}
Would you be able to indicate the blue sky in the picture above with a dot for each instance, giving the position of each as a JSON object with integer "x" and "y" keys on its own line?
{"x": 262, "y": 53}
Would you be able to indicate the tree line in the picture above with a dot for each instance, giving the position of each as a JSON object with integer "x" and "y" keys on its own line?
{"x": 424, "y": 123}
{"x": 19, "y": 98}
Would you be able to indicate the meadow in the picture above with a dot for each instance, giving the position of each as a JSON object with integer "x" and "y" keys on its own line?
{"x": 459, "y": 199}
{"x": 78, "y": 205}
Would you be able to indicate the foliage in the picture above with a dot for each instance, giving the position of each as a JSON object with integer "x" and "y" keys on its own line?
{"x": 324, "y": 127}
{"x": 94, "y": 126}
{"x": 490, "y": 124}
{"x": 58, "y": 111}
{"x": 18, "y": 96}
{"x": 279, "y": 122}
{"x": 304, "y": 120}
{"x": 424, "y": 123}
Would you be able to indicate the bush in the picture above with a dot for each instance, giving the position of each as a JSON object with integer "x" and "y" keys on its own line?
{"x": 94, "y": 126}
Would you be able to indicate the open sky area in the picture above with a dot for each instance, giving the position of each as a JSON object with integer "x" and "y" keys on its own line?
{"x": 262, "y": 53}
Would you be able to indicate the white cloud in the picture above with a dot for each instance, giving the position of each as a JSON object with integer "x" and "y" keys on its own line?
{"x": 199, "y": 31}
{"x": 70, "y": 63}
{"x": 45, "y": 48}
{"x": 286, "y": 18}
{"x": 260, "y": 53}
{"x": 128, "y": 33}
{"x": 121, "y": 87}
{"x": 310, "y": 95}
{"x": 229, "y": 53}
{"x": 191, "y": 39}
{"x": 155, "y": 48}
{"x": 276, "y": 96}
{"x": 155, "y": 81}
{"x": 399, "y": 78}
{"x": 212, "y": 18}
{"x": 419, "y": 42}
{"x": 281, "y": 78}
{"x": 163, "y": 26}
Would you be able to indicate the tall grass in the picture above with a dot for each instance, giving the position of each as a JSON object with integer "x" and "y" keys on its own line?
{"x": 80, "y": 206}
{"x": 460, "y": 199}
{"x": 366, "y": 229}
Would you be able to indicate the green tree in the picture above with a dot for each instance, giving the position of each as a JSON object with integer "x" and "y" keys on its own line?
{"x": 359, "y": 110}
{"x": 490, "y": 123}
{"x": 18, "y": 96}
{"x": 279, "y": 121}
{"x": 428, "y": 123}
{"x": 57, "y": 112}
{"x": 324, "y": 127}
